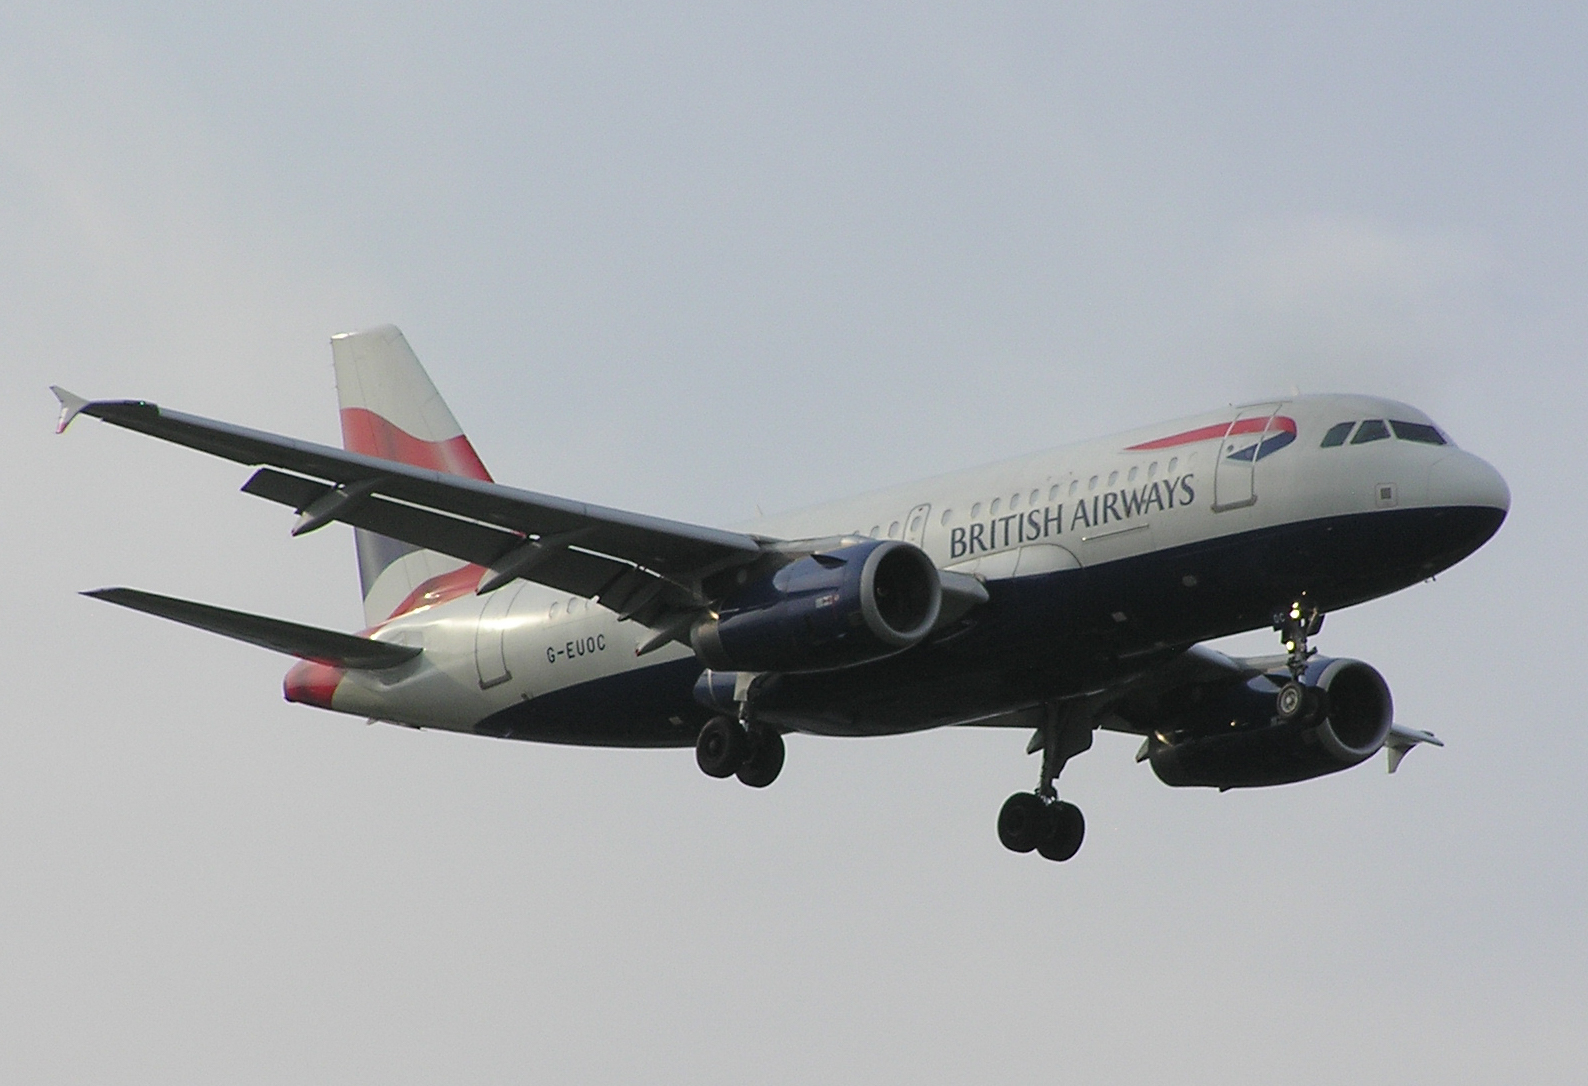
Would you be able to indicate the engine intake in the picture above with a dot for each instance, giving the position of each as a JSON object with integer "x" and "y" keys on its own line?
{"x": 1239, "y": 740}
{"x": 826, "y": 611}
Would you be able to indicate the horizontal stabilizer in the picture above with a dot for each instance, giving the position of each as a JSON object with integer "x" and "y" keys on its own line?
{"x": 308, "y": 642}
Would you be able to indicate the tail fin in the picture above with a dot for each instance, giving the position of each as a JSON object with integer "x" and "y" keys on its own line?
{"x": 390, "y": 409}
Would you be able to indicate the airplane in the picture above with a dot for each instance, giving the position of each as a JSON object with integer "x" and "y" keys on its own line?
{"x": 1064, "y": 591}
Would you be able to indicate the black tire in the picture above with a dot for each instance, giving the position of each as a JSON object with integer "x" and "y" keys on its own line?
{"x": 764, "y": 758}
{"x": 1291, "y": 701}
{"x": 1067, "y": 830}
{"x": 1023, "y": 823}
{"x": 721, "y": 747}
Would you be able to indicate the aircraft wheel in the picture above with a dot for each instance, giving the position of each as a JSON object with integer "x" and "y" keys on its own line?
{"x": 1291, "y": 701}
{"x": 1067, "y": 829}
{"x": 721, "y": 747}
{"x": 764, "y": 759}
{"x": 1023, "y": 822}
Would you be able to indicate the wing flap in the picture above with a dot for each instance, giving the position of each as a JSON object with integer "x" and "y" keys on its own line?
{"x": 306, "y": 642}
{"x": 579, "y": 572}
{"x": 564, "y": 568}
{"x": 463, "y": 539}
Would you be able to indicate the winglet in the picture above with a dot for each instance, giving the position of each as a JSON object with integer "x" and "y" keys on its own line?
{"x": 1401, "y": 740}
{"x": 71, "y": 406}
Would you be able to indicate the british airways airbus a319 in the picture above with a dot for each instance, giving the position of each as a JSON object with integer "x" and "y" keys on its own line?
{"x": 1061, "y": 592}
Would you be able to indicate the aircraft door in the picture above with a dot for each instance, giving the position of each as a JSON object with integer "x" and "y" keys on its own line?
{"x": 490, "y": 653}
{"x": 1235, "y": 471}
{"x": 915, "y": 525}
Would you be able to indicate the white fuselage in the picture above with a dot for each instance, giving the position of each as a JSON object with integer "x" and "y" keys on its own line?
{"x": 1074, "y": 507}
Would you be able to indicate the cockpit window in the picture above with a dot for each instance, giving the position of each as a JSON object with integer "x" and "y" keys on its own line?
{"x": 1337, "y": 434}
{"x": 1417, "y": 431}
{"x": 1371, "y": 430}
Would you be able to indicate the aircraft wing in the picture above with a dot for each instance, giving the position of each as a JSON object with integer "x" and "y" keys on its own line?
{"x": 635, "y": 563}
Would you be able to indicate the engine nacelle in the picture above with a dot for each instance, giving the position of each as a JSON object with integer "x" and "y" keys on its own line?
{"x": 825, "y": 611}
{"x": 1239, "y": 741}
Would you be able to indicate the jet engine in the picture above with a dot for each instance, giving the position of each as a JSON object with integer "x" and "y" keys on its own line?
{"x": 824, "y": 611}
{"x": 1269, "y": 731}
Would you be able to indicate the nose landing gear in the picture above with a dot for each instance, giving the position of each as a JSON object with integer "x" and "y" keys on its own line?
{"x": 1040, "y": 820}
{"x": 1296, "y": 623}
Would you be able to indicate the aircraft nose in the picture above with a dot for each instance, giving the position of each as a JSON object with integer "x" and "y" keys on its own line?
{"x": 1462, "y": 480}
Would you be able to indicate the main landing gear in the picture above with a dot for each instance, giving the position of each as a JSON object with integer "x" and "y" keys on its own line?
{"x": 1295, "y": 624}
{"x": 1040, "y": 820}
{"x": 728, "y": 748}
{"x": 745, "y": 748}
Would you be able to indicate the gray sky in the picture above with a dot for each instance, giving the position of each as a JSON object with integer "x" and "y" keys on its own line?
{"x": 691, "y": 259}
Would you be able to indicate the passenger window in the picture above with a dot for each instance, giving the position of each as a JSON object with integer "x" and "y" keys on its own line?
{"x": 1091, "y": 484}
{"x": 554, "y": 609}
{"x": 876, "y": 531}
{"x": 1371, "y": 430}
{"x": 1152, "y": 470}
{"x": 893, "y": 530}
{"x": 1337, "y": 435}
{"x": 1014, "y": 502}
{"x": 1174, "y": 462}
{"x": 1417, "y": 431}
{"x": 1053, "y": 495}
{"x": 992, "y": 510}
{"x": 948, "y": 515}
{"x": 1035, "y": 494}
{"x": 1133, "y": 474}
{"x": 1113, "y": 477}
{"x": 975, "y": 511}
{"x": 1075, "y": 484}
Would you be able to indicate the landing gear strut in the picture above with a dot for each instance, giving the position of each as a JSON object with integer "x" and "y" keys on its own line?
{"x": 1296, "y": 624}
{"x": 1040, "y": 820}
{"x": 1300, "y": 621}
{"x": 745, "y": 748}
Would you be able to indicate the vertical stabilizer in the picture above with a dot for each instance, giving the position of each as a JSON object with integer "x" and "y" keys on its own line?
{"x": 390, "y": 409}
